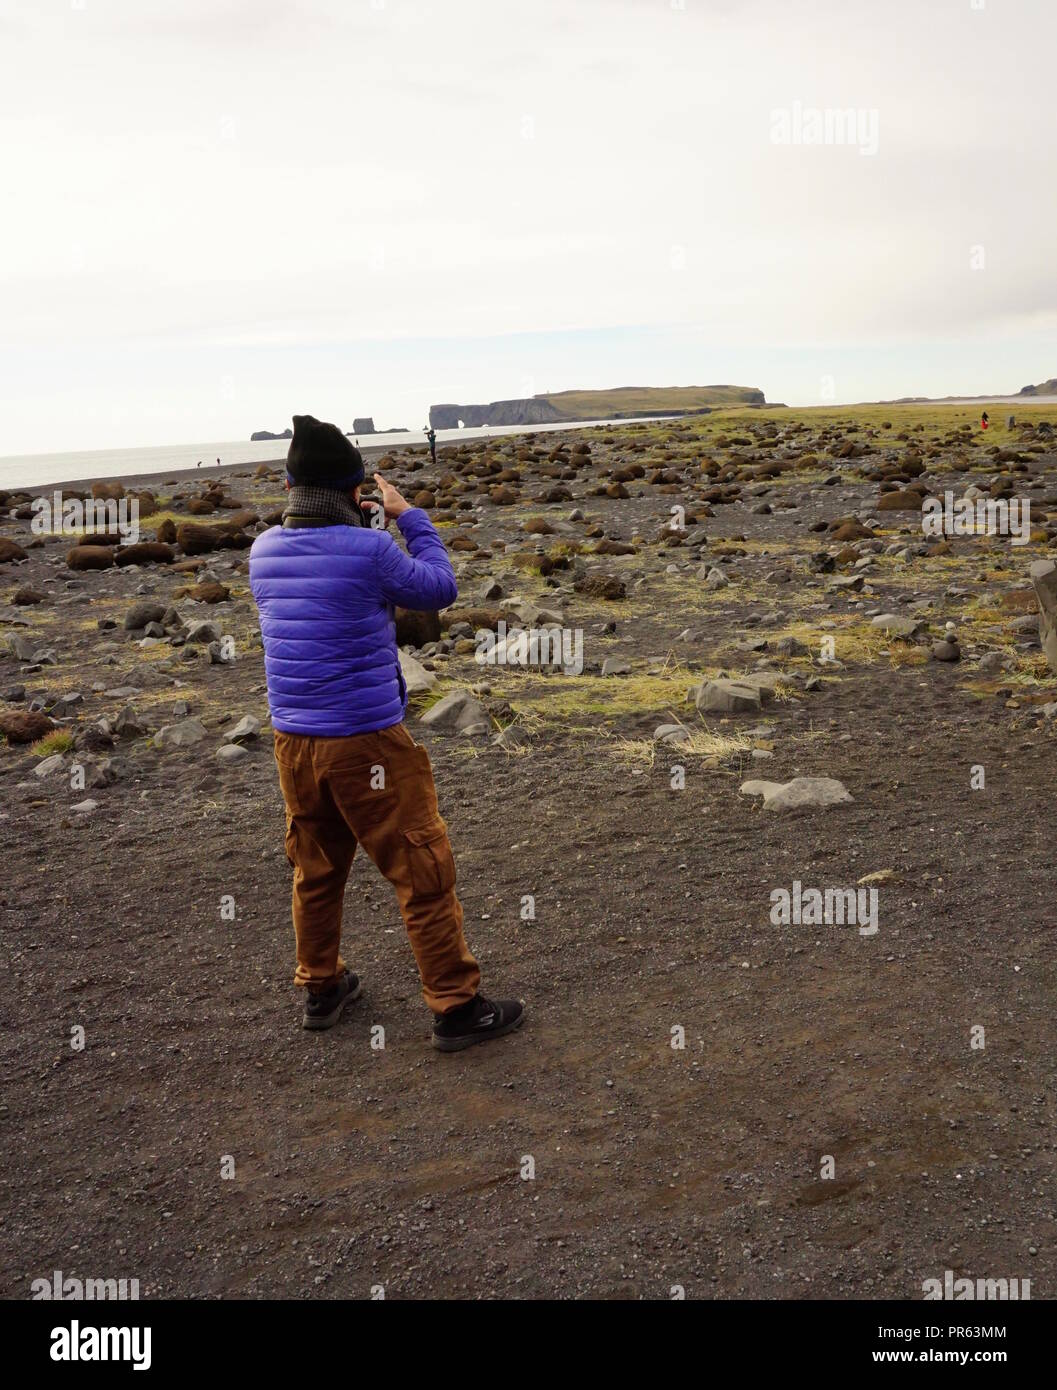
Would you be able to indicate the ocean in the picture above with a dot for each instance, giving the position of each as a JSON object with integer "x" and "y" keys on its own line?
{"x": 39, "y": 470}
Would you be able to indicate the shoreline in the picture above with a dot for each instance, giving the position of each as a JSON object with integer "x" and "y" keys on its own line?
{"x": 159, "y": 477}
{"x": 390, "y": 444}
{"x": 154, "y": 480}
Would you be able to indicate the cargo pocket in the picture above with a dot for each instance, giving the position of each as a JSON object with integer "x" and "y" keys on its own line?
{"x": 430, "y": 858}
{"x": 290, "y": 841}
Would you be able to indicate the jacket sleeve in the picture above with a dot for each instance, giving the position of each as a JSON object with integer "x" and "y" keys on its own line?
{"x": 425, "y": 578}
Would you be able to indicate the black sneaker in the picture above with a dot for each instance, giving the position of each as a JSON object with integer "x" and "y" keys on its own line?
{"x": 324, "y": 1010}
{"x": 476, "y": 1022}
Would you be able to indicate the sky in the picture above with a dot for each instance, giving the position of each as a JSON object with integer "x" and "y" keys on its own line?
{"x": 217, "y": 213}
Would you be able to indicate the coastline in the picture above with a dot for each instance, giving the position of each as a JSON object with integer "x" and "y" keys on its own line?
{"x": 126, "y": 472}
{"x": 159, "y": 479}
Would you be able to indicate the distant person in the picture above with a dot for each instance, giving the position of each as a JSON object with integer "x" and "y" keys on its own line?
{"x": 218, "y": 463}
{"x": 199, "y": 463}
{"x": 431, "y": 439}
{"x": 984, "y": 421}
{"x": 325, "y": 583}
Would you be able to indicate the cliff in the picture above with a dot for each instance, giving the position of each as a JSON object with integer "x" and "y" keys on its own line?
{"x": 623, "y": 402}
{"x": 258, "y": 435}
{"x": 532, "y": 411}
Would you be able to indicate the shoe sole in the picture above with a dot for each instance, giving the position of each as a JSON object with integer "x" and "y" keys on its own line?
{"x": 472, "y": 1039}
{"x": 316, "y": 1025}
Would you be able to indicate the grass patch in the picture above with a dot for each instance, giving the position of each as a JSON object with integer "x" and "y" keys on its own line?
{"x": 558, "y": 698}
{"x": 702, "y": 743}
{"x": 58, "y": 741}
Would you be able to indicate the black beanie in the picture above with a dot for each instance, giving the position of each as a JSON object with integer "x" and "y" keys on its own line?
{"x": 321, "y": 456}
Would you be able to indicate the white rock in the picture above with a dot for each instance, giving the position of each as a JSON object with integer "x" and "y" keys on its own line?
{"x": 801, "y": 791}
{"x": 183, "y": 735}
{"x": 416, "y": 677}
{"x": 248, "y": 727}
{"x": 231, "y": 753}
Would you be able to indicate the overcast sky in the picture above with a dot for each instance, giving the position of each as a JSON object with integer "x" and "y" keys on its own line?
{"x": 215, "y": 213}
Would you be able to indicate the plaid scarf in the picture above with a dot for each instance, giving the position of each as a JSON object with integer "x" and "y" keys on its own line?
{"x": 325, "y": 503}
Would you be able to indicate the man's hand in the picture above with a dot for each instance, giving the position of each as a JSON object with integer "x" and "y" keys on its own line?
{"x": 392, "y": 501}
{"x": 374, "y": 514}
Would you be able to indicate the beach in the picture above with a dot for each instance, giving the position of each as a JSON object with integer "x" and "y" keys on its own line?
{"x": 756, "y": 604}
{"x": 155, "y": 465}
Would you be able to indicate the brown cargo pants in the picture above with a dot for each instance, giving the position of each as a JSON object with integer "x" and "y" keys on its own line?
{"x": 376, "y": 790}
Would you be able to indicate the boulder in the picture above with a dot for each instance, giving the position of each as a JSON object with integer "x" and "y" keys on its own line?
{"x": 605, "y": 586}
{"x": 145, "y": 553}
{"x": 416, "y": 677}
{"x": 129, "y": 724}
{"x": 90, "y": 557}
{"x": 851, "y": 530}
{"x": 10, "y": 550}
{"x": 108, "y": 492}
{"x": 899, "y": 501}
{"x": 896, "y": 625}
{"x": 248, "y": 727}
{"x": 140, "y": 614}
{"x": 183, "y": 735}
{"x": 800, "y": 792}
{"x": 414, "y": 628}
{"x": 231, "y": 753}
{"x": 210, "y": 591}
{"x": 730, "y": 697}
{"x": 1043, "y": 575}
{"x": 197, "y": 540}
{"x": 111, "y": 538}
{"x": 66, "y": 704}
{"x": 232, "y": 538}
{"x": 992, "y": 663}
{"x": 531, "y": 615}
{"x": 672, "y": 733}
{"x": 22, "y": 646}
{"x": 456, "y": 712}
{"x": 24, "y": 726}
{"x": 511, "y": 739}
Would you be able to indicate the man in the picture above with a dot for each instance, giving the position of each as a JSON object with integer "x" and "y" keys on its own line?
{"x": 326, "y": 582}
{"x": 431, "y": 440}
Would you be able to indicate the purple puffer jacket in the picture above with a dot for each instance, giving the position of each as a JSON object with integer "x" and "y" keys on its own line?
{"x": 325, "y": 595}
